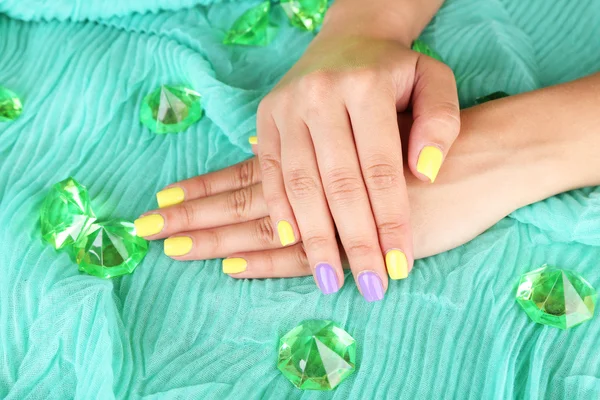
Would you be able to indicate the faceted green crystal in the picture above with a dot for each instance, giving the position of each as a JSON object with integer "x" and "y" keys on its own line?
{"x": 252, "y": 28}
{"x": 110, "y": 249}
{"x": 490, "y": 97}
{"x": 171, "y": 109}
{"x": 423, "y": 48}
{"x": 317, "y": 355}
{"x": 305, "y": 14}
{"x": 10, "y": 105}
{"x": 66, "y": 213}
{"x": 556, "y": 297}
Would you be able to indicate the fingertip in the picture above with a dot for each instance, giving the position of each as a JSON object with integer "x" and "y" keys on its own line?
{"x": 429, "y": 162}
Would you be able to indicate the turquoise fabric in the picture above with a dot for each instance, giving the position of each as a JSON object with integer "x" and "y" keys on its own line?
{"x": 177, "y": 330}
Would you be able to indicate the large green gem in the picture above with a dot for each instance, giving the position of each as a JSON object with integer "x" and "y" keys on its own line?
{"x": 110, "y": 249}
{"x": 66, "y": 213}
{"x": 10, "y": 105}
{"x": 423, "y": 48}
{"x": 305, "y": 14}
{"x": 171, "y": 109}
{"x": 317, "y": 355}
{"x": 556, "y": 297}
{"x": 491, "y": 96}
{"x": 252, "y": 28}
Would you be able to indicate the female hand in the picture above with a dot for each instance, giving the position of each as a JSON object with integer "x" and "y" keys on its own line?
{"x": 331, "y": 156}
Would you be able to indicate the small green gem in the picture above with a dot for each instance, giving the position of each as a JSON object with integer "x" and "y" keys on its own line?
{"x": 110, "y": 249}
{"x": 317, "y": 355}
{"x": 305, "y": 14}
{"x": 171, "y": 109}
{"x": 491, "y": 96}
{"x": 423, "y": 48}
{"x": 252, "y": 28}
{"x": 10, "y": 105}
{"x": 556, "y": 297}
{"x": 66, "y": 213}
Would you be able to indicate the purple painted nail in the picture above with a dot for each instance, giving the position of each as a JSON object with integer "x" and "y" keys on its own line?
{"x": 370, "y": 286}
{"x": 326, "y": 278}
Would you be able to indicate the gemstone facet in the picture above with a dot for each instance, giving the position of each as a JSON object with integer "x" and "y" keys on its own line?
{"x": 556, "y": 297}
{"x": 66, "y": 213}
{"x": 171, "y": 109}
{"x": 110, "y": 249}
{"x": 423, "y": 48}
{"x": 252, "y": 28}
{"x": 305, "y": 14}
{"x": 317, "y": 355}
{"x": 490, "y": 97}
{"x": 10, "y": 105}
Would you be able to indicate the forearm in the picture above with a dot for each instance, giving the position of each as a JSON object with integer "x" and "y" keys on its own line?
{"x": 401, "y": 20}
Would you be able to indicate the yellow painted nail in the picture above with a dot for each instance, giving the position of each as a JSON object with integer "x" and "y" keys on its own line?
{"x": 178, "y": 246}
{"x": 253, "y": 140}
{"x": 149, "y": 225}
{"x": 234, "y": 265}
{"x": 430, "y": 161}
{"x": 286, "y": 233}
{"x": 397, "y": 264}
{"x": 170, "y": 197}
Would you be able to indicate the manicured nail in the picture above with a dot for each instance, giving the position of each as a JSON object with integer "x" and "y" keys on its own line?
{"x": 170, "y": 197}
{"x": 370, "y": 286}
{"x": 234, "y": 265}
{"x": 397, "y": 264}
{"x": 253, "y": 140}
{"x": 149, "y": 225}
{"x": 430, "y": 161}
{"x": 326, "y": 278}
{"x": 286, "y": 233}
{"x": 178, "y": 246}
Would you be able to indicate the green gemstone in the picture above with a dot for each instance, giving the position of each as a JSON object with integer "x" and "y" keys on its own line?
{"x": 66, "y": 213}
{"x": 317, "y": 355}
{"x": 171, "y": 109}
{"x": 491, "y": 96}
{"x": 110, "y": 249}
{"x": 10, "y": 105}
{"x": 423, "y": 48}
{"x": 252, "y": 28}
{"x": 556, "y": 297}
{"x": 305, "y": 14}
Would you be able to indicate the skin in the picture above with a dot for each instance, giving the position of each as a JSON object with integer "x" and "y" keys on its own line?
{"x": 344, "y": 94}
{"x": 510, "y": 153}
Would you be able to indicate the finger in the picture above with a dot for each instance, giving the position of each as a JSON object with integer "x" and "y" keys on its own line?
{"x": 346, "y": 193}
{"x": 223, "y": 241}
{"x": 382, "y": 169}
{"x": 237, "y": 176}
{"x": 307, "y": 198}
{"x": 436, "y": 115}
{"x": 269, "y": 155}
{"x": 288, "y": 262}
{"x": 228, "y": 208}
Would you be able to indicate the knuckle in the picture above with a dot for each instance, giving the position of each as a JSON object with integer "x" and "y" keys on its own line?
{"x": 383, "y": 176}
{"x": 244, "y": 174}
{"x": 359, "y": 248}
{"x": 189, "y": 214}
{"x": 214, "y": 239}
{"x": 269, "y": 164}
{"x": 364, "y": 80}
{"x": 391, "y": 227}
{"x": 239, "y": 202}
{"x": 316, "y": 84}
{"x": 446, "y": 113}
{"x": 300, "y": 257}
{"x": 343, "y": 185}
{"x": 313, "y": 242}
{"x": 204, "y": 187}
{"x": 301, "y": 185}
{"x": 264, "y": 231}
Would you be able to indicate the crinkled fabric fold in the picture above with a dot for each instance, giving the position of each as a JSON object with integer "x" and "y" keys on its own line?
{"x": 184, "y": 330}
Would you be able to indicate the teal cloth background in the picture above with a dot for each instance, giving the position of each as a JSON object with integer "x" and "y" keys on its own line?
{"x": 184, "y": 330}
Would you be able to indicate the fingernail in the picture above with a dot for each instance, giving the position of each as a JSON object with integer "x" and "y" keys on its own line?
{"x": 326, "y": 278}
{"x": 234, "y": 265}
{"x": 397, "y": 264}
{"x": 178, "y": 246}
{"x": 286, "y": 233}
{"x": 370, "y": 286}
{"x": 253, "y": 140}
{"x": 430, "y": 161}
{"x": 170, "y": 197}
{"x": 149, "y": 225}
